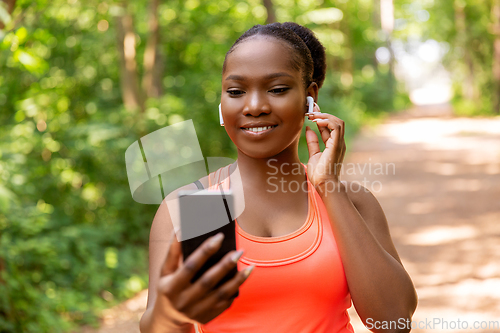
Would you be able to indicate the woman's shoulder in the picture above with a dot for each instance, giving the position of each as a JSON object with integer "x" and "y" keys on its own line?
{"x": 165, "y": 219}
{"x": 365, "y": 203}
{"x": 359, "y": 194}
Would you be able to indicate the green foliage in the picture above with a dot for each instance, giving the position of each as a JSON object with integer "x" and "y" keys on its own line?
{"x": 72, "y": 240}
{"x": 467, "y": 28}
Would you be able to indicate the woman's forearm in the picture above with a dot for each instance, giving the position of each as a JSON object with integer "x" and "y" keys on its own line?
{"x": 379, "y": 285}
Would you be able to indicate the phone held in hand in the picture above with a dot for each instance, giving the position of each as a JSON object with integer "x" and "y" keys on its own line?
{"x": 204, "y": 214}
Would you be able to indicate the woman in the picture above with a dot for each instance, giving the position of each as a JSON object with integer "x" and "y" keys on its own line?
{"x": 306, "y": 273}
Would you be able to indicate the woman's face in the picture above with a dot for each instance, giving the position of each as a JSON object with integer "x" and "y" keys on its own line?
{"x": 263, "y": 98}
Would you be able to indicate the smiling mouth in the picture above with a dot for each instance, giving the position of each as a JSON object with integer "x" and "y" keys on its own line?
{"x": 258, "y": 129}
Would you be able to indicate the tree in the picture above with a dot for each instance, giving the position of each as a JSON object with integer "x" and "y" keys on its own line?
{"x": 271, "y": 16}
{"x": 131, "y": 92}
{"x": 151, "y": 81}
{"x": 495, "y": 13}
{"x": 469, "y": 29}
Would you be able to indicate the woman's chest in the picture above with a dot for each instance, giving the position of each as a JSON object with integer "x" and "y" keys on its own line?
{"x": 268, "y": 217}
{"x": 317, "y": 279}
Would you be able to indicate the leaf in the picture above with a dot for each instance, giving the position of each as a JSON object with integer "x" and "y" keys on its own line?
{"x": 32, "y": 63}
{"x": 6, "y": 197}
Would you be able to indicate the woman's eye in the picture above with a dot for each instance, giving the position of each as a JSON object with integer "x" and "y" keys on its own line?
{"x": 279, "y": 90}
{"x": 235, "y": 92}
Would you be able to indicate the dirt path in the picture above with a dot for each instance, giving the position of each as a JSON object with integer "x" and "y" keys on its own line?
{"x": 443, "y": 207}
{"x": 438, "y": 181}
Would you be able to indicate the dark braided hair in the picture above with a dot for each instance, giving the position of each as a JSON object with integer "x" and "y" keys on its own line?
{"x": 309, "y": 56}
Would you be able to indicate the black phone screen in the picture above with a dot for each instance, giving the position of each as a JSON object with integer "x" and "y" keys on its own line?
{"x": 215, "y": 211}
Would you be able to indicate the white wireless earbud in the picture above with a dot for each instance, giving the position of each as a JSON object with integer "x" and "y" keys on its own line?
{"x": 220, "y": 117}
{"x": 310, "y": 103}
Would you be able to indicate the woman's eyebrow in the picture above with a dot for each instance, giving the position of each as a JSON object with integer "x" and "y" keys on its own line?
{"x": 267, "y": 77}
{"x": 235, "y": 77}
{"x": 275, "y": 75}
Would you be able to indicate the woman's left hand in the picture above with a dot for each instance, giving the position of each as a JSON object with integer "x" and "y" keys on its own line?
{"x": 323, "y": 168}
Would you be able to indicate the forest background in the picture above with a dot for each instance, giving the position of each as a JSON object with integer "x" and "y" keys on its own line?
{"x": 80, "y": 81}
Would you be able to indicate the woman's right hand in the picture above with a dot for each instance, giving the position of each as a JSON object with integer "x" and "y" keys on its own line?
{"x": 179, "y": 302}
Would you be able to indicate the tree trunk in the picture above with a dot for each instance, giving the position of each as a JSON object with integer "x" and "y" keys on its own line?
{"x": 495, "y": 11}
{"x": 131, "y": 92}
{"x": 460, "y": 25}
{"x": 271, "y": 16}
{"x": 10, "y": 4}
{"x": 151, "y": 82}
{"x": 376, "y": 14}
{"x": 347, "y": 62}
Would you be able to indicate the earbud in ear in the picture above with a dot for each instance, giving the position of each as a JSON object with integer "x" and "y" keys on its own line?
{"x": 220, "y": 117}
{"x": 310, "y": 103}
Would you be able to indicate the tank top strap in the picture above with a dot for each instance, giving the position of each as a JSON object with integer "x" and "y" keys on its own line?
{"x": 221, "y": 176}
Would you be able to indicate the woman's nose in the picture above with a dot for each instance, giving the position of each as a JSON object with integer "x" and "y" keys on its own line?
{"x": 256, "y": 104}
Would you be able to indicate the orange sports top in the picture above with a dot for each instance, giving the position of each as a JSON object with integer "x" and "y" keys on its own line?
{"x": 298, "y": 284}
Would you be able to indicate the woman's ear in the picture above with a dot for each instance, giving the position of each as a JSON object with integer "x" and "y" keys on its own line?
{"x": 312, "y": 91}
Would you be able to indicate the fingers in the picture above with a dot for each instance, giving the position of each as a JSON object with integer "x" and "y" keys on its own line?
{"x": 199, "y": 301}
{"x": 172, "y": 261}
{"x": 210, "y": 278}
{"x": 327, "y": 122}
{"x": 312, "y": 142}
{"x": 195, "y": 261}
{"x": 230, "y": 288}
{"x": 324, "y": 131}
{"x": 222, "y": 297}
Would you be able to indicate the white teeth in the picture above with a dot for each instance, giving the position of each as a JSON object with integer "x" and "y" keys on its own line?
{"x": 258, "y": 129}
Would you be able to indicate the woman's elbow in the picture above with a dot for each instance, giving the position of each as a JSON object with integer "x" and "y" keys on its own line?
{"x": 396, "y": 320}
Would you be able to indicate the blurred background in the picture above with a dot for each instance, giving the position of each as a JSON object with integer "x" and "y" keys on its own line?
{"x": 417, "y": 83}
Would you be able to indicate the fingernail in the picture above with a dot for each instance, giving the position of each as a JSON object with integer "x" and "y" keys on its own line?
{"x": 248, "y": 270}
{"x": 216, "y": 240}
{"x": 236, "y": 256}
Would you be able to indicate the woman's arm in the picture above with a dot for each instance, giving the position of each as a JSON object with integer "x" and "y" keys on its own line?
{"x": 161, "y": 238}
{"x": 380, "y": 287}
{"x": 174, "y": 303}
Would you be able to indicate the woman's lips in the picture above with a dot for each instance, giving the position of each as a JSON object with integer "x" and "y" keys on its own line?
{"x": 258, "y": 131}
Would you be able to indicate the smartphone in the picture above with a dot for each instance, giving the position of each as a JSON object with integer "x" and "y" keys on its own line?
{"x": 203, "y": 214}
